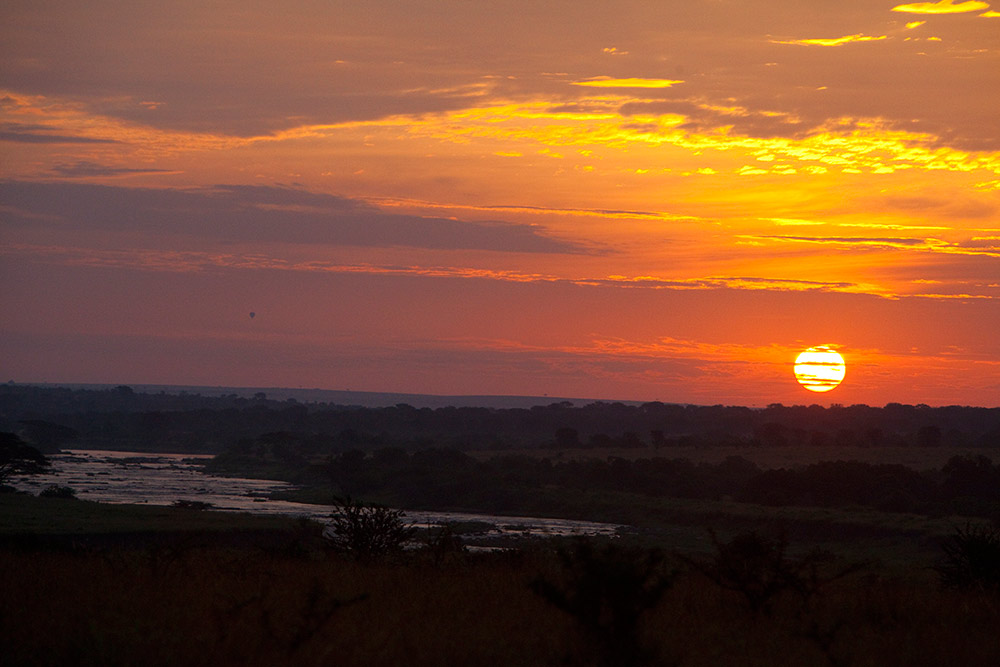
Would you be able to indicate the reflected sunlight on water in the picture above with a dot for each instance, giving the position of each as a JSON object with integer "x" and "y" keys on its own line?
{"x": 162, "y": 479}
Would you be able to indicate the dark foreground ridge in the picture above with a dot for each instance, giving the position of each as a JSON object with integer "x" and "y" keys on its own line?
{"x": 85, "y": 586}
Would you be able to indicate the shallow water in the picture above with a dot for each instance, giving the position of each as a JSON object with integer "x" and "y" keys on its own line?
{"x": 162, "y": 479}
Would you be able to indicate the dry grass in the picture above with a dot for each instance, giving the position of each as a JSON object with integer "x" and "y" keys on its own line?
{"x": 868, "y": 621}
{"x": 220, "y": 606}
{"x": 160, "y": 586}
{"x": 223, "y": 607}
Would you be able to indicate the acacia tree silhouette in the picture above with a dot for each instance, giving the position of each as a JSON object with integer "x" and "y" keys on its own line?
{"x": 971, "y": 559}
{"x": 367, "y": 532}
{"x": 759, "y": 569}
{"x": 607, "y": 591}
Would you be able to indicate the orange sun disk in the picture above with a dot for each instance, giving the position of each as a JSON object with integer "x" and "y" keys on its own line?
{"x": 820, "y": 369}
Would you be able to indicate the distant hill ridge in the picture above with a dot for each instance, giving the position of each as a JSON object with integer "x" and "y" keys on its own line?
{"x": 366, "y": 399}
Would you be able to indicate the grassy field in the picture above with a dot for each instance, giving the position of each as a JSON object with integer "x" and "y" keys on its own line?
{"x": 218, "y": 607}
{"x": 68, "y": 525}
{"x": 92, "y": 584}
{"x": 24, "y": 514}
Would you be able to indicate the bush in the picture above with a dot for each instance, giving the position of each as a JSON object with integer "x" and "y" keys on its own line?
{"x": 971, "y": 559}
{"x": 367, "y": 532}
{"x": 444, "y": 544}
{"x": 55, "y": 491}
{"x": 199, "y": 505}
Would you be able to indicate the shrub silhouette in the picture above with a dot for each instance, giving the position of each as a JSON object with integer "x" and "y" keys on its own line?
{"x": 56, "y": 491}
{"x": 607, "y": 590}
{"x": 971, "y": 559}
{"x": 443, "y": 545}
{"x": 367, "y": 532}
{"x": 192, "y": 504}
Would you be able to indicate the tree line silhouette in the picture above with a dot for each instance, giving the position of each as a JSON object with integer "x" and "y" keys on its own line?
{"x": 966, "y": 485}
{"x": 120, "y": 418}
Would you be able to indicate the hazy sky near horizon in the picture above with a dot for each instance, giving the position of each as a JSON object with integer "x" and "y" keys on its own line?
{"x": 633, "y": 200}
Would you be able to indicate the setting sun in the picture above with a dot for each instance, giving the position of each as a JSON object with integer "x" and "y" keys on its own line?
{"x": 462, "y": 279}
{"x": 819, "y": 369}
{"x": 748, "y": 183}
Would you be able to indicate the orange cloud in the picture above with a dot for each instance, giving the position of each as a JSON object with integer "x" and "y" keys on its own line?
{"x": 609, "y": 82}
{"x": 925, "y": 244}
{"x": 604, "y": 213}
{"x": 942, "y": 7}
{"x": 197, "y": 261}
{"x": 75, "y": 123}
{"x": 861, "y": 145}
{"x": 835, "y": 41}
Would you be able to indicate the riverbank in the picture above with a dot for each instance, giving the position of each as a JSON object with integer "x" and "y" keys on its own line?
{"x": 64, "y": 524}
{"x": 896, "y": 540}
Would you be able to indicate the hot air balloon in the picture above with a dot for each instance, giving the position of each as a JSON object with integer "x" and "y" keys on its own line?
{"x": 252, "y": 315}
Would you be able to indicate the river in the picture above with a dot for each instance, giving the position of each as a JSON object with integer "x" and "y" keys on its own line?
{"x": 163, "y": 479}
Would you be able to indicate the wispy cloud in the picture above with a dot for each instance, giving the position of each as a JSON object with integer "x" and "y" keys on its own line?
{"x": 43, "y": 134}
{"x": 85, "y": 169}
{"x": 885, "y": 243}
{"x": 834, "y": 41}
{"x": 794, "y": 222}
{"x": 862, "y": 144}
{"x": 942, "y": 7}
{"x": 609, "y": 82}
{"x": 609, "y": 213}
{"x": 853, "y": 240}
{"x": 896, "y": 227}
{"x": 194, "y": 261}
{"x": 246, "y": 213}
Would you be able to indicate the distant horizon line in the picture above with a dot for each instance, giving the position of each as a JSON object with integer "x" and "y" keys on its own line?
{"x": 376, "y": 399}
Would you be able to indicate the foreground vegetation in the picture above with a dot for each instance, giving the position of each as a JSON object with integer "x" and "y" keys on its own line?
{"x": 719, "y": 559}
{"x": 282, "y": 595}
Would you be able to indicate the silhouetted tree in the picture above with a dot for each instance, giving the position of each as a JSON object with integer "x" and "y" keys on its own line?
{"x": 47, "y": 437}
{"x": 929, "y": 436}
{"x": 607, "y": 590}
{"x": 19, "y": 458}
{"x": 368, "y": 532}
{"x": 443, "y": 544}
{"x": 56, "y": 491}
{"x": 759, "y": 569}
{"x": 567, "y": 438}
{"x": 631, "y": 440}
{"x": 971, "y": 559}
{"x": 975, "y": 476}
{"x": 657, "y": 439}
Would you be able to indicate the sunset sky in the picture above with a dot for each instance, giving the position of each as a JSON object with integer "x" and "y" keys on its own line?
{"x": 632, "y": 200}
